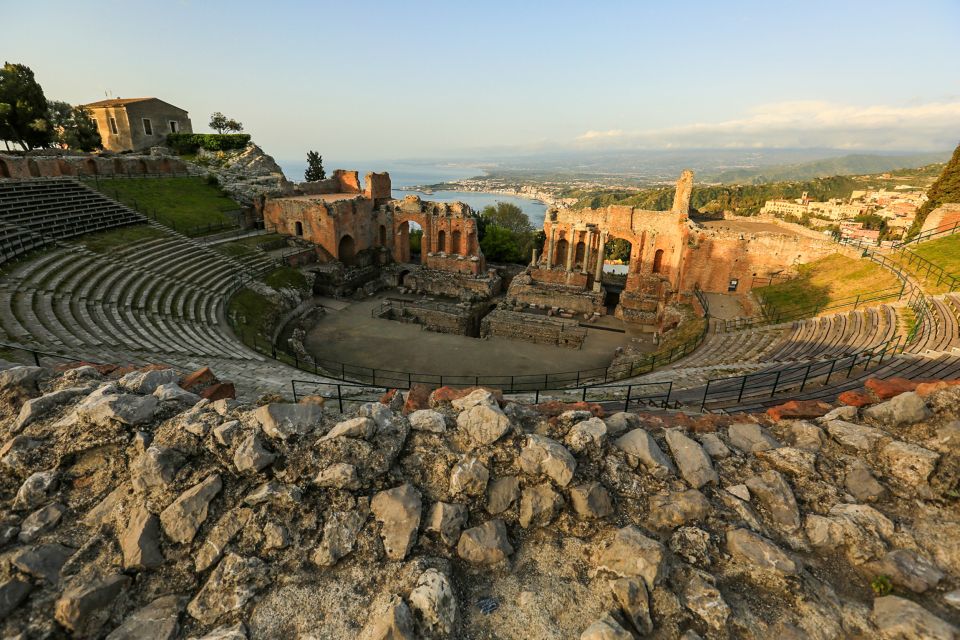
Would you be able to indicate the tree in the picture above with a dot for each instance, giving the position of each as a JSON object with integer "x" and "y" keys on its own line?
{"x": 315, "y": 169}
{"x": 618, "y": 249}
{"x": 73, "y": 127}
{"x": 221, "y": 123}
{"x": 508, "y": 216}
{"x": 23, "y": 108}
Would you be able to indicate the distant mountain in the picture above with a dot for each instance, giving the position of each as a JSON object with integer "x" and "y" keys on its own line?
{"x": 849, "y": 165}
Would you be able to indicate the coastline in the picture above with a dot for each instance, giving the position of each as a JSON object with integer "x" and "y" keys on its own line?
{"x": 542, "y": 197}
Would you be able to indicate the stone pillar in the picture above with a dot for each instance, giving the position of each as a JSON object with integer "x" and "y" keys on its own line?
{"x": 598, "y": 274}
{"x": 571, "y": 246}
{"x": 553, "y": 233}
{"x": 533, "y": 258}
{"x": 585, "y": 267}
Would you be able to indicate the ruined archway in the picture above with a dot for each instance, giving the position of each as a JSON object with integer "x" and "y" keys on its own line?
{"x": 34, "y": 168}
{"x": 580, "y": 254}
{"x": 4, "y": 170}
{"x": 383, "y": 235}
{"x": 560, "y": 256}
{"x": 455, "y": 243}
{"x": 442, "y": 241}
{"x": 658, "y": 261}
{"x": 346, "y": 249}
{"x": 298, "y": 228}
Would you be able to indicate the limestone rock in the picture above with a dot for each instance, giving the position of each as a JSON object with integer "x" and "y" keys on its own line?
{"x": 398, "y": 511}
{"x": 541, "y": 455}
{"x": 750, "y": 437}
{"x": 157, "y": 467}
{"x": 251, "y": 455}
{"x": 469, "y": 477}
{"x": 339, "y": 535}
{"x": 183, "y": 517}
{"x": 861, "y": 484}
{"x": 694, "y": 463}
{"x": 906, "y": 408}
{"x": 704, "y": 599}
{"x": 274, "y": 492}
{"x": 393, "y": 622}
{"x": 36, "y": 489}
{"x": 360, "y": 427}
{"x": 434, "y": 603}
{"x": 381, "y": 415}
{"x": 673, "y": 509}
{"x": 41, "y": 520}
{"x": 13, "y": 593}
{"x": 501, "y": 493}
{"x": 809, "y": 437}
{"x": 140, "y": 540}
{"x": 746, "y": 546}
{"x": 173, "y": 393}
{"x": 230, "y": 585}
{"x": 693, "y": 545}
{"x": 281, "y": 420}
{"x": 427, "y": 420}
{"x": 476, "y": 398}
{"x": 586, "y": 434}
{"x": 82, "y": 609}
{"x": 907, "y": 569}
{"x": 339, "y": 475}
{"x": 908, "y": 462}
{"x": 631, "y": 594}
{"x": 225, "y": 432}
{"x": 903, "y": 619}
{"x": 220, "y": 535}
{"x": 485, "y": 544}
{"x": 714, "y": 446}
{"x": 641, "y": 445}
{"x": 591, "y": 500}
{"x": 146, "y": 382}
{"x": 606, "y": 628}
{"x": 483, "y": 424}
{"x": 159, "y": 620}
{"x": 621, "y": 422}
{"x": 447, "y": 520}
{"x": 43, "y": 562}
{"x": 632, "y": 554}
{"x": 539, "y": 505}
{"x": 126, "y": 409}
{"x": 22, "y": 377}
{"x": 776, "y": 497}
{"x": 855, "y": 436}
{"x": 226, "y": 632}
{"x": 796, "y": 462}
{"x": 37, "y": 408}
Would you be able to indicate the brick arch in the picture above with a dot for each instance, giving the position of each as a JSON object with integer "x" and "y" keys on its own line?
{"x": 4, "y": 169}
{"x": 455, "y": 246}
{"x": 401, "y": 246}
{"x": 34, "y": 168}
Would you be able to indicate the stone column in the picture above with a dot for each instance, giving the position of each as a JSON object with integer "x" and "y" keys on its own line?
{"x": 533, "y": 258}
{"x": 570, "y": 248}
{"x": 550, "y": 252}
{"x": 585, "y": 267}
{"x": 598, "y": 274}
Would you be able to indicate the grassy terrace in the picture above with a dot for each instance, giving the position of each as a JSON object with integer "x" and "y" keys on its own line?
{"x": 827, "y": 282}
{"x": 104, "y": 241}
{"x": 943, "y": 252}
{"x": 245, "y": 246}
{"x": 257, "y": 314}
{"x": 189, "y": 205}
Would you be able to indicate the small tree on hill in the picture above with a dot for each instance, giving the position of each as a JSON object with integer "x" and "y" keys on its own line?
{"x": 73, "y": 127}
{"x": 314, "y": 170}
{"x": 221, "y": 123}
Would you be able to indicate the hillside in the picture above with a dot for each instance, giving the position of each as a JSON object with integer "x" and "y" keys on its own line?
{"x": 854, "y": 164}
{"x": 945, "y": 189}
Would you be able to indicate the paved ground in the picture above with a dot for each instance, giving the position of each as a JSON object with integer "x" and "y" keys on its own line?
{"x": 725, "y": 306}
{"x": 351, "y": 335}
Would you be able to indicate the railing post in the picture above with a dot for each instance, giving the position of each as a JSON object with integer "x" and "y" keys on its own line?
{"x": 36, "y": 358}
{"x": 776, "y": 381}
{"x": 833, "y": 363}
{"x": 706, "y": 390}
{"x": 293, "y": 387}
{"x": 806, "y": 375}
{"x": 339, "y": 398}
{"x": 626, "y": 404}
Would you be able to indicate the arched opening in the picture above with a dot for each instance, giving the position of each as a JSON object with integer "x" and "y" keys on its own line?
{"x": 441, "y": 241}
{"x": 401, "y": 279}
{"x": 455, "y": 244}
{"x": 616, "y": 266}
{"x": 560, "y": 259}
{"x": 471, "y": 243}
{"x": 34, "y": 168}
{"x": 383, "y": 235}
{"x": 298, "y": 228}
{"x": 408, "y": 242}
{"x": 658, "y": 261}
{"x": 346, "y": 251}
{"x": 89, "y": 167}
{"x": 580, "y": 254}
{"x": 4, "y": 171}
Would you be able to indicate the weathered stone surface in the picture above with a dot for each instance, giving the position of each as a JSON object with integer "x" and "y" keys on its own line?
{"x": 908, "y": 462}
{"x": 126, "y": 409}
{"x": 694, "y": 463}
{"x": 890, "y": 387}
{"x": 632, "y": 554}
{"x": 907, "y": 569}
{"x": 225, "y": 433}
{"x": 861, "y": 484}
{"x": 157, "y": 467}
{"x": 83, "y": 608}
{"x": 173, "y": 393}
{"x": 694, "y": 546}
{"x": 797, "y": 462}
{"x": 435, "y": 603}
{"x": 854, "y": 436}
{"x": 36, "y": 489}
{"x": 641, "y": 445}
{"x": 485, "y": 544}
{"x": 183, "y": 517}
{"x": 251, "y": 455}
{"x": 906, "y": 408}
{"x": 140, "y": 540}
{"x": 586, "y": 434}
{"x": 339, "y": 535}
{"x": 501, "y": 493}
{"x": 669, "y": 510}
{"x": 229, "y": 525}
{"x": 621, "y": 422}
{"x": 447, "y": 520}
{"x": 281, "y": 421}
{"x": 338, "y": 476}
{"x": 146, "y": 382}
{"x": 40, "y": 521}
{"x": 476, "y": 398}
{"x": 226, "y": 632}
{"x": 159, "y": 620}
{"x": 606, "y": 628}
{"x": 591, "y": 500}
{"x": 381, "y": 415}
{"x": 544, "y": 456}
{"x": 631, "y": 594}
{"x": 714, "y": 446}
{"x": 746, "y": 546}
{"x": 776, "y": 498}
{"x": 393, "y": 622}
{"x": 903, "y": 619}
{"x": 539, "y": 505}
{"x": 25, "y": 378}
{"x": 13, "y": 593}
{"x": 469, "y": 477}
{"x": 42, "y": 561}
{"x": 274, "y": 492}
{"x": 483, "y": 424}
{"x": 359, "y": 427}
{"x": 703, "y": 598}
{"x": 427, "y": 420}
{"x": 750, "y": 437}
{"x": 398, "y": 511}
{"x": 37, "y": 408}
{"x": 230, "y": 586}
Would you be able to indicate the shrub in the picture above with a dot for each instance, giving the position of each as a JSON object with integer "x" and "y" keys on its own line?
{"x": 881, "y": 585}
{"x": 190, "y": 142}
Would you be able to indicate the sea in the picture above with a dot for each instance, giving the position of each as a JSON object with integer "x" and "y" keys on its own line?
{"x": 403, "y": 174}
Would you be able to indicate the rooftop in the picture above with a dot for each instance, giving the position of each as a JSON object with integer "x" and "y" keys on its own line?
{"x": 116, "y": 102}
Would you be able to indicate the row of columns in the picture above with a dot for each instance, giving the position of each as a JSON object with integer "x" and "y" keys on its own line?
{"x": 572, "y": 247}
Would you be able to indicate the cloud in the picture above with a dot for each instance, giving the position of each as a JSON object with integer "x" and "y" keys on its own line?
{"x": 803, "y": 123}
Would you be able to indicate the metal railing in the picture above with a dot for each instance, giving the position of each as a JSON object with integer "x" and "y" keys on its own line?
{"x": 38, "y": 357}
{"x": 766, "y": 384}
{"x": 945, "y": 230}
{"x": 921, "y": 317}
{"x": 921, "y": 264}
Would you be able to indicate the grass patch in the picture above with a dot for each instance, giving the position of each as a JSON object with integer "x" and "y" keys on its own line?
{"x": 254, "y": 312}
{"x": 943, "y": 252}
{"x": 104, "y": 241}
{"x": 189, "y": 205}
{"x": 245, "y": 246}
{"x": 688, "y": 329}
{"x": 286, "y": 278}
{"x": 829, "y": 281}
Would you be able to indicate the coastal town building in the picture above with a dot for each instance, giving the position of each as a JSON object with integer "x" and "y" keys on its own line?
{"x": 132, "y": 124}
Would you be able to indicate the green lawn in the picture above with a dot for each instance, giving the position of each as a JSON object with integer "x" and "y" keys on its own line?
{"x": 245, "y": 246}
{"x": 189, "y": 205}
{"x": 255, "y": 313}
{"x": 943, "y": 252}
{"x": 104, "y": 241}
{"x": 827, "y": 282}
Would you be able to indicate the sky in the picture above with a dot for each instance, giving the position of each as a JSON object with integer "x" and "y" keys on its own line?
{"x": 457, "y": 79}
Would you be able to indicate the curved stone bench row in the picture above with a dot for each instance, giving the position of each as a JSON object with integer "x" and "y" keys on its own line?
{"x": 941, "y": 331}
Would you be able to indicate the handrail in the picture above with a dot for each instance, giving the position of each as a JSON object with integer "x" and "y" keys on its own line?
{"x": 944, "y": 230}
{"x": 932, "y": 268}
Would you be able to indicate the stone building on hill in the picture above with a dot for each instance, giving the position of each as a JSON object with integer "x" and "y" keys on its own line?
{"x": 131, "y": 124}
